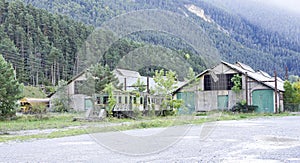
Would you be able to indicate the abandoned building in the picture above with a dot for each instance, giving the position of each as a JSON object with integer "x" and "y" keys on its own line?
{"x": 127, "y": 79}
{"x": 212, "y": 89}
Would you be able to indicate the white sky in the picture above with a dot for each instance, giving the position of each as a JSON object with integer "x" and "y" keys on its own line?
{"x": 292, "y": 5}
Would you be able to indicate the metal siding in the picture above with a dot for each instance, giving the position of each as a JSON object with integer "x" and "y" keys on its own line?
{"x": 189, "y": 102}
{"x": 264, "y": 99}
{"x": 222, "y": 102}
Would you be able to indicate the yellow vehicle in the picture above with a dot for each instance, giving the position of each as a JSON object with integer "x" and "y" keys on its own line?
{"x": 27, "y": 103}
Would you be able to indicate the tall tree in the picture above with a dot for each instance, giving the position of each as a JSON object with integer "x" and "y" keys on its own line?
{"x": 166, "y": 84}
{"x": 10, "y": 90}
{"x": 98, "y": 77}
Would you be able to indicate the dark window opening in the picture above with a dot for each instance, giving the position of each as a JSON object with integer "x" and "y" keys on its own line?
{"x": 120, "y": 99}
{"x": 141, "y": 100}
{"x": 223, "y": 82}
{"x": 105, "y": 100}
{"x": 98, "y": 100}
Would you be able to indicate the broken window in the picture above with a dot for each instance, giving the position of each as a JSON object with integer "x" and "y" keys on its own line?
{"x": 222, "y": 82}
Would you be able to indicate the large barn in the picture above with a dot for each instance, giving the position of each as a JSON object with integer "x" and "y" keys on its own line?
{"x": 212, "y": 89}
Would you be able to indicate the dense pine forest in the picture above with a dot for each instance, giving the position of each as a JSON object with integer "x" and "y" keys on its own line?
{"x": 240, "y": 39}
{"x": 43, "y": 46}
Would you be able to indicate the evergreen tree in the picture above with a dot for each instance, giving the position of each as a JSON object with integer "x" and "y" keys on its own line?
{"x": 10, "y": 90}
{"x": 103, "y": 76}
{"x": 98, "y": 77}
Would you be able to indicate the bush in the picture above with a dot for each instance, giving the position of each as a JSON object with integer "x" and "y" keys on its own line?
{"x": 242, "y": 107}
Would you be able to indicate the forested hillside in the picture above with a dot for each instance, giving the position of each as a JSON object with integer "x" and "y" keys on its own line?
{"x": 41, "y": 46}
{"x": 235, "y": 37}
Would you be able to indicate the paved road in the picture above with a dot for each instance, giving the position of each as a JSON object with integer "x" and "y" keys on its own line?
{"x": 257, "y": 140}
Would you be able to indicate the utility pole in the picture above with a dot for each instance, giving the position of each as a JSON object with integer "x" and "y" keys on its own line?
{"x": 125, "y": 84}
{"x": 286, "y": 73}
{"x": 148, "y": 86}
{"x": 276, "y": 100}
{"x": 246, "y": 82}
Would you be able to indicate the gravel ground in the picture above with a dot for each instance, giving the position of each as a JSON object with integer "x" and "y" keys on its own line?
{"x": 256, "y": 140}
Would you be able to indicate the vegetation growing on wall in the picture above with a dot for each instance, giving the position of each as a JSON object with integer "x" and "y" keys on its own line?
{"x": 237, "y": 83}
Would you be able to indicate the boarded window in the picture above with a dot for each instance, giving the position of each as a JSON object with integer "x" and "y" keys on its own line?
{"x": 222, "y": 83}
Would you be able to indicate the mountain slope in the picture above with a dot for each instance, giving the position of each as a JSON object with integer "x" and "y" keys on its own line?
{"x": 235, "y": 35}
{"x": 41, "y": 46}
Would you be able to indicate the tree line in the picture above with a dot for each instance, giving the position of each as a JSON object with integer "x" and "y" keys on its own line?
{"x": 41, "y": 46}
{"x": 236, "y": 38}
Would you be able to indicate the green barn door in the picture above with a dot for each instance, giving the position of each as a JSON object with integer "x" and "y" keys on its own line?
{"x": 264, "y": 99}
{"x": 223, "y": 102}
{"x": 189, "y": 102}
{"x": 88, "y": 104}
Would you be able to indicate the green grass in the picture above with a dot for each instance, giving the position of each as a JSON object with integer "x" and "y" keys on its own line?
{"x": 33, "y": 92}
{"x": 61, "y": 121}
{"x": 30, "y": 122}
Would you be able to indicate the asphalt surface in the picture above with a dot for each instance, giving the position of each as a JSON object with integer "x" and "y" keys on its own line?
{"x": 257, "y": 140}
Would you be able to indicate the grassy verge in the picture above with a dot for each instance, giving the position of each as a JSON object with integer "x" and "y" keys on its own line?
{"x": 62, "y": 121}
{"x": 31, "y": 122}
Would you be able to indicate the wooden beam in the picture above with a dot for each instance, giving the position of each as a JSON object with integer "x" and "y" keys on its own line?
{"x": 246, "y": 79}
{"x": 276, "y": 100}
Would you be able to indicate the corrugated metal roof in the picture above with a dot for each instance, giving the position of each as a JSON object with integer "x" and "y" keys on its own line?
{"x": 264, "y": 73}
{"x": 245, "y": 67}
{"x": 128, "y": 73}
{"x": 130, "y": 81}
{"x": 264, "y": 78}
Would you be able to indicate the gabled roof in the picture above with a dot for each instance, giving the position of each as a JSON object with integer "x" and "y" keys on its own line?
{"x": 245, "y": 67}
{"x": 128, "y": 73}
{"x": 183, "y": 84}
{"x": 76, "y": 76}
{"x": 264, "y": 73}
{"x": 259, "y": 76}
{"x": 69, "y": 81}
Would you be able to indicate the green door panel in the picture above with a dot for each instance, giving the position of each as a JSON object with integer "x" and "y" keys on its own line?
{"x": 223, "y": 102}
{"x": 264, "y": 99}
{"x": 88, "y": 104}
{"x": 189, "y": 102}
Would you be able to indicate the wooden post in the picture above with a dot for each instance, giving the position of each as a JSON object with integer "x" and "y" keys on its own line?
{"x": 276, "y": 100}
{"x": 286, "y": 73}
{"x": 148, "y": 86}
{"x": 125, "y": 84}
{"x": 246, "y": 80}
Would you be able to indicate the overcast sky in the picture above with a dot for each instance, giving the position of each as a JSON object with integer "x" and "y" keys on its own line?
{"x": 292, "y": 5}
